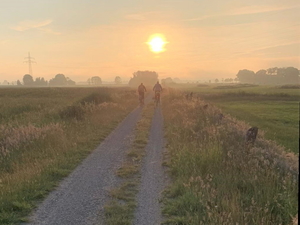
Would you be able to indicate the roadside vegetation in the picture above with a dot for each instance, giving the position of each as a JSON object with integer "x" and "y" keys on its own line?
{"x": 273, "y": 109}
{"x": 120, "y": 210}
{"x": 45, "y": 133}
{"x": 219, "y": 179}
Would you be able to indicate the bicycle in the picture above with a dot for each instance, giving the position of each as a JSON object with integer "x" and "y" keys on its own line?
{"x": 157, "y": 98}
{"x": 141, "y": 99}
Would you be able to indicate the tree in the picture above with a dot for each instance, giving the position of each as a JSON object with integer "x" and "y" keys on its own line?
{"x": 19, "y": 83}
{"x": 291, "y": 75}
{"x": 28, "y": 80}
{"x": 70, "y": 82}
{"x": 96, "y": 80}
{"x": 167, "y": 81}
{"x": 261, "y": 73}
{"x": 5, "y": 82}
{"x": 145, "y": 77}
{"x": 246, "y": 76}
{"x": 216, "y": 80}
{"x": 60, "y": 80}
{"x": 118, "y": 80}
{"x": 40, "y": 82}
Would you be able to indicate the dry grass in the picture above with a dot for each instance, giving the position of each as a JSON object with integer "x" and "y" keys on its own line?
{"x": 38, "y": 146}
{"x": 217, "y": 178}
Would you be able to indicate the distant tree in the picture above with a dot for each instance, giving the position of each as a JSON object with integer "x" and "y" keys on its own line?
{"x": 261, "y": 73}
{"x": 272, "y": 71}
{"x": 19, "y": 83}
{"x": 216, "y": 80}
{"x": 209, "y": 81}
{"x": 96, "y": 80}
{"x": 5, "y": 82}
{"x": 291, "y": 75}
{"x": 60, "y": 80}
{"x": 118, "y": 80}
{"x": 167, "y": 81}
{"x": 145, "y": 77}
{"x": 246, "y": 76}
{"x": 89, "y": 81}
{"x": 40, "y": 82}
{"x": 28, "y": 80}
{"x": 274, "y": 76}
{"x": 71, "y": 82}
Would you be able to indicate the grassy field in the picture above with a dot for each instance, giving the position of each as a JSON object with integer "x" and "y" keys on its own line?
{"x": 274, "y": 110}
{"x": 217, "y": 178}
{"x": 45, "y": 133}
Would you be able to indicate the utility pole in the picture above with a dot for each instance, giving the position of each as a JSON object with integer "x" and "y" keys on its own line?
{"x": 29, "y": 60}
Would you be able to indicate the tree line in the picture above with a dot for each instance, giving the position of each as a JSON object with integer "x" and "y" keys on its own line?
{"x": 275, "y": 75}
{"x": 58, "y": 80}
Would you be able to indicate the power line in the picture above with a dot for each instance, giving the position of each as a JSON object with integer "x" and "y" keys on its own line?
{"x": 29, "y": 60}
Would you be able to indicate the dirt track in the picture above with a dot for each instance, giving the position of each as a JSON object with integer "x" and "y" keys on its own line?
{"x": 80, "y": 198}
{"x": 153, "y": 177}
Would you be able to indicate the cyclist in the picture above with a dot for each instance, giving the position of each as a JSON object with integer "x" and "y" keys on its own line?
{"x": 157, "y": 89}
{"x": 141, "y": 91}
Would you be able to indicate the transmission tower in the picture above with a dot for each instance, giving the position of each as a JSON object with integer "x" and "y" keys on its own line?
{"x": 29, "y": 60}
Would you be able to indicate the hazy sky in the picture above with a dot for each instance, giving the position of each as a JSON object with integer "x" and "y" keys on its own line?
{"x": 206, "y": 39}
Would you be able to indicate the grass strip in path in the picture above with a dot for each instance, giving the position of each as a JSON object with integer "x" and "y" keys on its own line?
{"x": 120, "y": 210}
{"x": 153, "y": 178}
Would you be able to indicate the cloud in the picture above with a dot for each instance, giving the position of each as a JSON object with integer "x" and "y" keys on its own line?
{"x": 29, "y": 24}
{"x": 255, "y": 9}
{"x": 249, "y": 10}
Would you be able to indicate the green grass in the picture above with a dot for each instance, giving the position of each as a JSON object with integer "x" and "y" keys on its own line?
{"x": 274, "y": 110}
{"x": 279, "y": 120}
{"x": 40, "y": 143}
{"x": 216, "y": 177}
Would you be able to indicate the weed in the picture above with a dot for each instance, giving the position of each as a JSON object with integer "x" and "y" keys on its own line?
{"x": 216, "y": 178}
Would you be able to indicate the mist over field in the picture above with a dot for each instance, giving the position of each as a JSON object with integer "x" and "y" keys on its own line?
{"x": 190, "y": 40}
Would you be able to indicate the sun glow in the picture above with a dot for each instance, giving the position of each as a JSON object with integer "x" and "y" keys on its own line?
{"x": 156, "y": 43}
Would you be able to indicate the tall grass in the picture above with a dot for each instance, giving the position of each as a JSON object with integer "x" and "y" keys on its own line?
{"x": 217, "y": 178}
{"x": 40, "y": 147}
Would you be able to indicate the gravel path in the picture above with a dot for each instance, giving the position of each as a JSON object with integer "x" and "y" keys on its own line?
{"x": 153, "y": 178}
{"x": 81, "y": 196}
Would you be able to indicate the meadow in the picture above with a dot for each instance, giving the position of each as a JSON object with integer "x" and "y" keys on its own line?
{"x": 218, "y": 178}
{"x": 45, "y": 133}
{"x": 273, "y": 109}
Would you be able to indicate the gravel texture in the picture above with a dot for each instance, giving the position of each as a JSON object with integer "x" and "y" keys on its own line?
{"x": 153, "y": 176}
{"x": 80, "y": 198}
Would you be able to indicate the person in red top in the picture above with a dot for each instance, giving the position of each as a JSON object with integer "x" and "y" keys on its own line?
{"x": 141, "y": 91}
{"x": 157, "y": 89}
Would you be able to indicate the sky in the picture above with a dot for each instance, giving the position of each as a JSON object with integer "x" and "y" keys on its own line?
{"x": 205, "y": 39}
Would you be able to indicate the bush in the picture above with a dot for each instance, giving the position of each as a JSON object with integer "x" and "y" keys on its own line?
{"x": 96, "y": 98}
{"x": 72, "y": 112}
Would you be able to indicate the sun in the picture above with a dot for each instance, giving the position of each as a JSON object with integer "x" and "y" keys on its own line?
{"x": 156, "y": 43}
